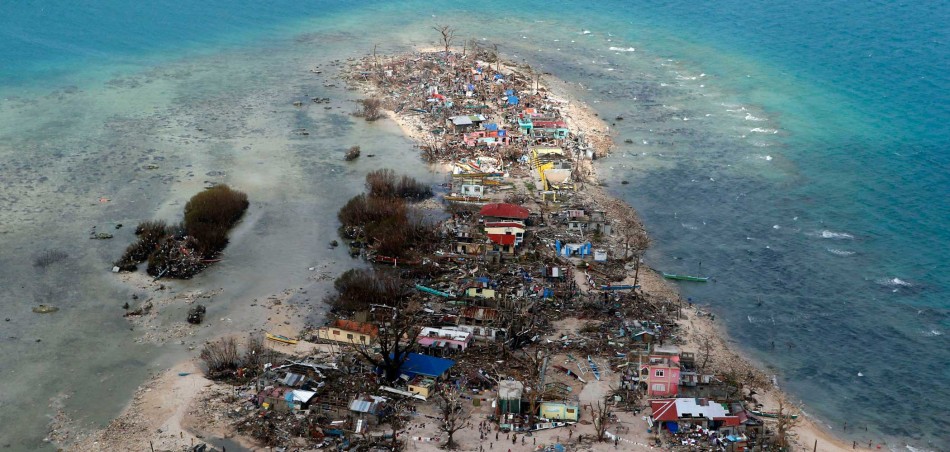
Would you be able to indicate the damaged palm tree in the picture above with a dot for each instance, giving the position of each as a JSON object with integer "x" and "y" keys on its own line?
{"x": 396, "y": 340}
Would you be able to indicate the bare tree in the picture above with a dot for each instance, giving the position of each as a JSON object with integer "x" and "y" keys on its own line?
{"x": 398, "y": 418}
{"x": 706, "y": 345}
{"x": 602, "y": 413}
{"x": 788, "y": 416}
{"x": 452, "y": 414}
{"x": 633, "y": 236}
{"x": 448, "y": 35}
{"x": 395, "y": 341}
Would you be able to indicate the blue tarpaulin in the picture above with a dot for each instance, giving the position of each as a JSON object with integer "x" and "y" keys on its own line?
{"x": 510, "y": 92}
{"x": 470, "y": 87}
{"x": 673, "y": 427}
{"x": 491, "y": 127}
{"x": 512, "y": 100}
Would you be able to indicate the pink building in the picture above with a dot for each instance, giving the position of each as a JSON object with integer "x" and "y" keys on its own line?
{"x": 441, "y": 341}
{"x": 661, "y": 374}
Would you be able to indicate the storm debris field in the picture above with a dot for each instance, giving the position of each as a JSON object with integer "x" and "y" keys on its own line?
{"x": 509, "y": 304}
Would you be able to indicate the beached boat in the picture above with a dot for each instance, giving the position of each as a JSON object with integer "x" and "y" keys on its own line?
{"x": 593, "y": 367}
{"x": 771, "y": 415}
{"x": 685, "y": 277}
{"x": 279, "y": 338}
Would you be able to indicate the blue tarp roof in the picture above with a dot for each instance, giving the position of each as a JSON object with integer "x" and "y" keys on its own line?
{"x": 490, "y": 126}
{"x": 429, "y": 366}
{"x": 512, "y": 100}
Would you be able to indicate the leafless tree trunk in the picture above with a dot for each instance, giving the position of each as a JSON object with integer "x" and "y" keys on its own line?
{"x": 448, "y": 35}
{"x": 398, "y": 419}
{"x": 707, "y": 351}
{"x": 453, "y": 415}
{"x": 788, "y": 418}
{"x": 633, "y": 235}
{"x": 601, "y": 413}
{"x": 393, "y": 350}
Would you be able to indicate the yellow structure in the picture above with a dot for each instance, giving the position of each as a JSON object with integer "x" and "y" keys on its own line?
{"x": 480, "y": 292}
{"x": 422, "y": 386}
{"x": 565, "y": 411}
{"x": 349, "y": 332}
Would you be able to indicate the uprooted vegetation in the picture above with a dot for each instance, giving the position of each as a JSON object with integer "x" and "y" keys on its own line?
{"x": 224, "y": 359}
{"x": 384, "y": 183}
{"x": 383, "y": 220}
{"x": 352, "y": 153}
{"x": 184, "y": 249}
{"x": 370, "y": 109}
{"x": 357, "y": 289}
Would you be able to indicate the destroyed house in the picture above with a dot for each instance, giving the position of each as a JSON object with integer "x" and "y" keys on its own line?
{"x": 672, "y": 413}
{"x": 427, "y": 366}
{"x": 367, "y": 403}
{"x": 504, "y": 211}
{"x": 467, "y": 242}
{"x": 506, "y": 236}
{"x": 439, "y": 341}
{"x": 475, "y": 315}
{"x": 661, "y": 375}
{"x": 465, "y": 122}
{"x": 349, "y": 332}
{"x": 480, "y": 292}
{"x": 594, "y": 221}
{"x": 481, "y": 332}
{"x": 568, "y": 410}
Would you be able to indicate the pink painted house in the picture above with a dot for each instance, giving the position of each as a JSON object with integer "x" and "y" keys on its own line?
{"x": 661, "y": 374}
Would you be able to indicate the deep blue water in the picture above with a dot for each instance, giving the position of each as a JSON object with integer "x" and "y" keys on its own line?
{"x": 824, "y": 230}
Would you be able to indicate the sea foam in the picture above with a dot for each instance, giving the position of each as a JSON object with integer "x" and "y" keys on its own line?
{"x": 893, "y": 282}
{"x": 826, "y": 234}
{"x": 838, "y": 252}
{"x": 621, "y": 49}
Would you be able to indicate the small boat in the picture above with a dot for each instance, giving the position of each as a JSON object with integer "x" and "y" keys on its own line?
{"x": 279, "y": 338}
{"x": 771, "y": 415}
{"x": 685, "y": 277}
{"x": 593, "y": 367}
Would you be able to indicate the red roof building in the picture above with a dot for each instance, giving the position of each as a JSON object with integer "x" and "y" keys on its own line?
{"x": 692, "y": 410}
{"x": 505, "y": 211}
{"x": 503, "y": 239}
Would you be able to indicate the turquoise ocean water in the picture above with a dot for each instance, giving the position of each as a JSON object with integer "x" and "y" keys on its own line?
{"x": 796, "y": 152}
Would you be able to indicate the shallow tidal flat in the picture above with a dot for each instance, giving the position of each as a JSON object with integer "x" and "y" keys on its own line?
{"x": 84, "y": 160}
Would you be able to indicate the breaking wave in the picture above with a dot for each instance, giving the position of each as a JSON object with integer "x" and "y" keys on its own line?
{"x": 763, "y": 130}
{"x": 621, "y": 49}
{"x": 749, "y": 117}
{"x": 893, "y": 282}
{"x": 826, "y": 234}
{"x": 838, "y": 252}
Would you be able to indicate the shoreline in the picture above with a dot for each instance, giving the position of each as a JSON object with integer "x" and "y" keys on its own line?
{"x": 175, "y": 419}
{"x": 581, "y": 117}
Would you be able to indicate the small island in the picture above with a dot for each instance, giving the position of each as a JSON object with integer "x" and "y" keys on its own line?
{"x": 511, "y": 311}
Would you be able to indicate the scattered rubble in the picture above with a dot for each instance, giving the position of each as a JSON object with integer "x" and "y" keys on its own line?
{"x": 519, "y": 311}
